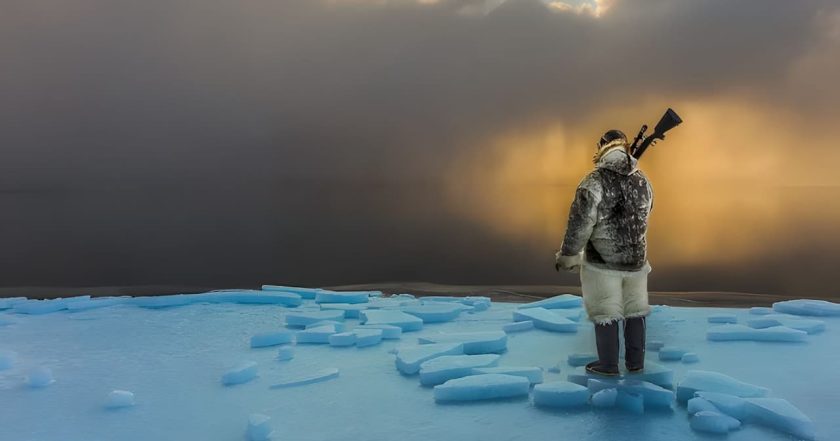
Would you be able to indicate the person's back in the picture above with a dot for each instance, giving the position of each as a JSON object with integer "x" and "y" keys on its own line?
{"x": 606, "y": 241}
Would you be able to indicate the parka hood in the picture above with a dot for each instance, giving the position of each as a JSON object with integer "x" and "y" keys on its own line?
{"x": 618, "y": 160}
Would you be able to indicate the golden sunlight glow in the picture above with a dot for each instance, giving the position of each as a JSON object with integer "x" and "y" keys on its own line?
{"x": 595, "y": 8}
{"x": 723, "y": 182}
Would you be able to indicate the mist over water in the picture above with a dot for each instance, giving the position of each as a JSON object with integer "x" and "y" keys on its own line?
{"x": 329, "y": 233}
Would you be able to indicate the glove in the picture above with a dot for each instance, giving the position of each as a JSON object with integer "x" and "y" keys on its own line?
{"x": 568, "y": 263}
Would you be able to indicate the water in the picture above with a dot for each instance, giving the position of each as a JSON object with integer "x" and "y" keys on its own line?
{"x": 234, "y": 234}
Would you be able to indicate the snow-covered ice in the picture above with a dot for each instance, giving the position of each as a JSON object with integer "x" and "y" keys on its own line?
{"x": 713, "y": 422}
{"x": 560, "y": 394}
{"x": 545, "y": 319}
{"x": 406, "y": 322}
{"x": 745, "y": 333}
{"x": 172, "y": 351}
{"x": 241, "y": 373}
{"x": 344, "y": 297}
{"x": 301, "y": 319}
{"x": 435, "y": 312}
{"x": 557, "y": 302}
{"x": 441, "y": 369}
{"x": 118, "y": 399}
{"x": 808, "y": 307}
{"x": 273, "y": 338}
{"x": 259, "y": 427}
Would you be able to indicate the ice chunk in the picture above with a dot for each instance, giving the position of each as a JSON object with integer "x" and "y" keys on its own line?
{"x": 317, "y": 335}
{"x": 301, "y": 319}
{"x": 5, "y": 321}
{"x": 271, "y": 339}
{"x": 808, "y": 307}
{"x": 306, "y": 293}
{"x": 745, "y": 333}
{"x": 350, "y": 310}
{"x": 259, "y": 427}
{"x": 339, "y": 327}
{"x": 671, "y": 354}
{"x": 698, "y": 404}
{"x": 247, "y": 297}
{"x": 34, "y": 307}
{"x": 723, "y": 318}
{"x": 168, "y": 301}
{"x": 690, "y": 357}
{"x": 40, "y": 376}
{"x": 286, "y": 353}
{"x": 441, "y": 369}
{"x": 810, "y": 326}
{"x": 631, "y": 402}
{"x": 409, "y": 359}
{"x": 556, "y": 369}
{"x": 388, "y": 332}
{"x": 560, "y": 394}
{"x": 577, "y": 360}
{"x": 10, "y": 302}
{"x": 545, "y": 319}
{"x": 532, "y": 373}
{"x": 482, "y": 387}
{"x": 7, "y": 359}
{"x": 316, "y": 377}
{"x": 652, "y": 395}
{"x": 725, "y": 403}
{"x": 242, "y": 373}
{"x": 488, "y": 342}
{"x": 86, "y": 305}
{"x": 342, "y": 339}
{"x": 435, "y": 312}
{"x": 605, "y": 398}
{"x": 352, "y": 297}
{"x": 780, "y": 415}
{"x": 706, "y": 381}
{"x": 761, "y": 310}
{"x": 563, "y": 301}
{"x": 653, "y": 373}
{"x": 119, "y": 398}
{"x": 367, "y": 337}
{"x": 713, "y": 422}
{"x": 518, "y": 326}
{"x": 654, "y": 345}
{"x": 405, "y": 321}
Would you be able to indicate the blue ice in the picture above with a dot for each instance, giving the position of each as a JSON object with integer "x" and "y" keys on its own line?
{"x": 604, "y": 398}
{"x": 488, "y": 342}
{"x": 671, "y": 354}
{"x": 441, "y": 369}
{"x": 654, "y": 345}
{"x": 35, "y": 307}
{"x": 259, "y": 427}
{"x": 342, "y": 339}
{"x": 808, "y": 307}
{"x": 534, "y": 374}
{"x": 7, "y": 359}
{"x": 96, "y": 303}
{"x": 118, "y": 399}
{"x": 545, "y": 319}
{"x": 339, "y": 326}
{"x": 563, "y": 301}
{"x": 435, "y": 312}
{"x": 10, "y": 302}
{"x": 725, "y": 403}
{"x": 577, "y": 360}
{"x": 560, "y": 394}
{"x": 351, "y": 310}
{"x": 706, "y": 381}
{"x": 482, "y": 387}
{"x": 301, "y": 319}
{"x": 271, "y": 339}
{"x": 810, "y": 326}
{"x": 306, "y": 293}
{"x": 631, "y": 402}
{"x": 409, "y": 359}
{"x": 249, "y": 297}
{"x": 745, "y": 333}
{"x": 352, "y": 297}
{"x": 241, "y": 373}
{"x": 690, "y": 357}
{"x": 367, "y": 337}
{"x": 286, "y": 353}
{"x": 761, "y": 310}
{"x": 713, "y": 422}
{"x": 518, "y": 326}
{"x": 722, "y": 318}
{"x": 698, "y": 404}
{"x": 39, "y": 376}
{"x": 405, "y": 321}
{"x": 389, "y": 332}
{"x": 315, "y": 377}
{"x": 317, "y": 335}
{"x": 653, "y": 373}
{"x": 781, "y": 415}
{"x": 652, "y": 395}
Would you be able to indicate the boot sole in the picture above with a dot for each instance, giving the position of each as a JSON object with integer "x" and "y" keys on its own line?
{"x": 606, "y": 374}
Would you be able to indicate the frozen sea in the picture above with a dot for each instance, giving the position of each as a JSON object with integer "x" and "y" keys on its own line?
{"x": 172, "y": 359}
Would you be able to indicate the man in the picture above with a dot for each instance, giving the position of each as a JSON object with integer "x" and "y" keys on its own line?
{"x": 605, "y": 242}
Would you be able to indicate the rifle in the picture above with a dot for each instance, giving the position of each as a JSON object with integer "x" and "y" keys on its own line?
{"x": 668, "y": 121}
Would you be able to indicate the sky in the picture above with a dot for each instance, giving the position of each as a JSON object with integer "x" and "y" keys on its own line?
{"x": 497, "y": 102}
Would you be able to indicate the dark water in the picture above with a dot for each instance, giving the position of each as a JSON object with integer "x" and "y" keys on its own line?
{"x": 314, "y": 233}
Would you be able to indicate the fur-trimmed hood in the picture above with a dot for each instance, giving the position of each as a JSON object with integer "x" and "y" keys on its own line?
{"x": 617, "y": 159}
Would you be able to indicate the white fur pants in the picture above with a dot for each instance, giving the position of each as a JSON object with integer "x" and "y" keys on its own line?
{"x": 614, "y": 295}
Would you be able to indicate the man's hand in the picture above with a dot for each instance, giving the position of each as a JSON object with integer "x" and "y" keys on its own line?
{"x": 568, "y": 263}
